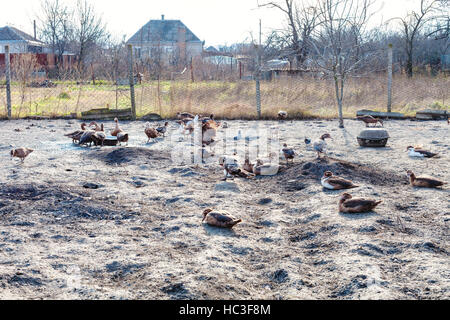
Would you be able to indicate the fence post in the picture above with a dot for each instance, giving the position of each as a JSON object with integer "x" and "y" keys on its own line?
{"x": 130, "y": 70}
{"x": 390, "y": 56}
{"x": 8, "y": 81}
{"x": 258, "y": 76}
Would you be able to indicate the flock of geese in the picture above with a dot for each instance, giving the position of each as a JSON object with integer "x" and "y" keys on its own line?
{"x": 95, "y": 134}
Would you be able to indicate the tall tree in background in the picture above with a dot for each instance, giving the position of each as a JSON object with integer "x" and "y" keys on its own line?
{"x": 412, "y": 25}
{"x": 89, "y": 30}
{"x": 302, "y": 20}
{"x": 55, "y": 26}
{"x": 339, "y": 40}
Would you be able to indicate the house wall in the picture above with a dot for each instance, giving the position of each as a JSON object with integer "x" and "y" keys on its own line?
{"x": 14, "y": 46}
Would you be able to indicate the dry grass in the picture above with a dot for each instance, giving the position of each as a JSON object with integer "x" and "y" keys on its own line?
{"x": 302, "y": 98}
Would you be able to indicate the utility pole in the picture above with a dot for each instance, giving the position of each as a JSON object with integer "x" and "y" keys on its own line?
{"x": 8, "y": 81}
{"x": 390, "y": 57}
{"x": 258, "y": 74}
{"x": 130, "y": 71}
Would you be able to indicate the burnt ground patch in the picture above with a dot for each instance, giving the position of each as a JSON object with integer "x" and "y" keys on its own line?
{"x": 57, "y": 200}
{"x": 354, "y": 171}
{"x": 133, "y": 155}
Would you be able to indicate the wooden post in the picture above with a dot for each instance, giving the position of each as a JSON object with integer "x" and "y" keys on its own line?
{"x": 130, "y": 70}
{"x": 390, "y": 56}
{"x": 258, "y": 74}
{"x": 8, "y": 81}
{"x": 240, "y": 70}
{"x": 192, "y": 70}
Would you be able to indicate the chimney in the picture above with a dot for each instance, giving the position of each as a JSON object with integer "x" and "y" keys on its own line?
{"x": 34, "y": 25}
{"x": 162, "y": 17}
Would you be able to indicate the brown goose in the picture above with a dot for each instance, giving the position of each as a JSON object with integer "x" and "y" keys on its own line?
{"x": 349, "y": 205}
{"x": 150, "y": 132}
{"x": 21, "y": 153}
{"x": 97, "y": 127}
{"x": 416, "y": 152}
{"x": 424, "y": 182}
{"x": 76, "y": 136}
{"x": 369, "y": 119}
{"x": 331, "y": 182}
{"x": 220, "y": 220}
{"x": 117, "y": 129}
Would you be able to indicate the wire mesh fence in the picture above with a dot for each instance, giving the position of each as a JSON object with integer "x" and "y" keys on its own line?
{"x": 303, "y": 95}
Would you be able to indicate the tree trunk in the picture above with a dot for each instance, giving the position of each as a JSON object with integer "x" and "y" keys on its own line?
{"x": 339, "y": 85}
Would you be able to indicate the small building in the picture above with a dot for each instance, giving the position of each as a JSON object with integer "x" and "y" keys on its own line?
{"x": 169, "y": 40}
{"x": 20, "y": 42}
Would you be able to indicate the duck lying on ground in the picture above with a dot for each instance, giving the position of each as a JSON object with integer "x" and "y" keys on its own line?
{"x": 415, "y": 152}
{"x": 358, "y": 205}
{"x": 220, "y": 219}
{"x": 331, "y": 182}
{"x": 424, "y": 182}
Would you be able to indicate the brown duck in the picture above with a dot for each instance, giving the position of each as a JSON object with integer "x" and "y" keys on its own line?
{"x": 349, "y": 205}
{"x": 370, "y": 120}
{"x": 289, "y": 153}
{"x": 151, "y": 133}
{"x": 220, "y": 220}
{"x": 424, "y": 182}
{"x": 21, "y": 153}
{"x": 331, "y": 182}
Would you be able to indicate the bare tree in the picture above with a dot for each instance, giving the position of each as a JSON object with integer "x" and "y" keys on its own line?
{"x": 302, "y": 20}
{"x": 338, "y": 42}
{"x": 89, "y": 30}
{"x": 412, "y": 26}
{"x": 55, "y": 26}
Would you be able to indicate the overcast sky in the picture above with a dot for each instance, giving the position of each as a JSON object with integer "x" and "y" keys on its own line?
{"x": 214, "y": 21}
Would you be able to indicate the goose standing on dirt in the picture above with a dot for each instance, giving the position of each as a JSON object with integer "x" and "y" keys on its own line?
{"x": 331, "y": 182}
{"x": 96, "y": 126}
{"x": 369, "y": 119}
{"x": 420, "y": 153}
{"x": 21, "y": 153}
{"x": 320, "y": 146}
{"x": 289, "y": 154}
{"x": 349, "y": 205}
{"x": 220, "y": 219}
{"x": 424, "y": 182}
{"x": 76, "y": 136}
{"x": 150, "y": 132}
{"x": 117, "y": 129}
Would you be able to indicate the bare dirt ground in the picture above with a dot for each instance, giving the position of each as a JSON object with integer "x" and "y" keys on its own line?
{"x": 125, "y": 222}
